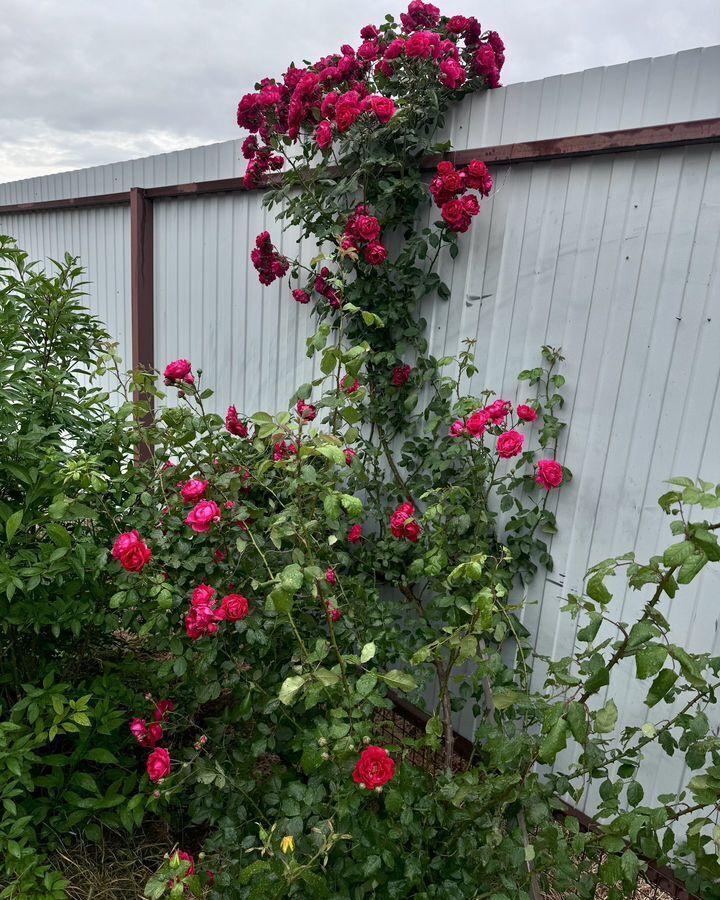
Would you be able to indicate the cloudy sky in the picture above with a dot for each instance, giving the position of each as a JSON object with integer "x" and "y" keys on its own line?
{"x": 92, "y": 81}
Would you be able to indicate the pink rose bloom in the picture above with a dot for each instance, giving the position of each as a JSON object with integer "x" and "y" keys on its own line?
{"x": 478, "y": 177}
{"x": 177, "y": 371}
{"x": 133, "y": 553}
{"x": 402, "y": 523}
{"x": 138, "y": 729}
{"x": 526, "y": 413}
{"x": 306, "y": 411}
{"x": 400, "y": 375}
{"x": 234, "y": 424}
{"x": 510, "y": 444}
{"x": 203, "y": 515}
{"x": 193, "y": 489}
{"x": 158, "y": 765}
{"x": 350, "y": 455}
{"x": 355, "y": 534}
{"x": 457, "y": 429}
{"x": 383, "y": 107}
{"x": 330, "y": 576}
{"x": 498, "y": 411}
{"x": 395, "y": 49}
{"x": 124, "y": 542}
{"x": 324, "y": 135}
{"x": 457, "y": 24}
{"x": 418, "y": 45}
{"x": 203, "y": 595}
{"x": 347, "y": 387}
{"x": 375, "y": 254}
{"x": 549, "y": 474}
{"x": 201, "y": 620}
{"x": 452, "y": 74}
{"x": 476, "y": 423}
{"x": 470, "y": 204}
{"x": 234, "y": 607}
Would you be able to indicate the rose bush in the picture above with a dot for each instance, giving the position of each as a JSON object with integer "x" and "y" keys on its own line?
{"x": 283, "y": 577}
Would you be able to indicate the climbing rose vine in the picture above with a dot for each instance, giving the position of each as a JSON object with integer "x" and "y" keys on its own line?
{"x": 293, "y": 574}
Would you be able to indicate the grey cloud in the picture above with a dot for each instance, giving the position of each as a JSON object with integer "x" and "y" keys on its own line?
{"x": 86, "y": 81}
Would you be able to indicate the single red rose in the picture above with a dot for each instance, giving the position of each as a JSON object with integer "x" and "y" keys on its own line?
{"x": 510, "y": 444}
{"x": 374, "y": 768}
{"x": 202, "y": 516}
{"x": 549, "y": 474}
{"x": 526, "y": 413}
{"x": 234, "y": 607}
{"x": 158, "y": 765}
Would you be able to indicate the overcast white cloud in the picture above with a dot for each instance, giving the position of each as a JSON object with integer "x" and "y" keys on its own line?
{"x": 89, "y": 81}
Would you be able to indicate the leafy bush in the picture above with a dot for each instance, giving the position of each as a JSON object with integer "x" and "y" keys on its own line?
{"x": 66, "y": 677}
{"x": 278, "y": 579}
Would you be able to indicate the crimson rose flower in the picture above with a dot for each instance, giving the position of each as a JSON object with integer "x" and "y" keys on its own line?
{"x": 234, "y": 607}
{"x": 330, "y": 576}
{"x": 526, "y": 413}
{"x": 355, "y": 534}
{"x": 133, "y": 553}
{"x": 306, "y": 411}
{"x": 177, "y": 371}
{"x": 383, "y": 107}
{"x": 203, "y": 515}
{"x": 347, "y": 387}
{"x": 203, "y": 595}
{"x": 549, "y": 474}
{"x": 510, "y": 444}
{"x": 403, "y": 525}
{"x": 324, "y": 135}
{"x": 400, "y": 375}
{"x": 374, "y": 768}
{"x": 193, "y": 489}
{"x": 162, "y": 709}
{"x": 158, "y": 765}
{"x": 477, "y": 422}
{"x": 350, "y": 455}
{"x": 301, "y": 296}
{"x": 375, "y": 254}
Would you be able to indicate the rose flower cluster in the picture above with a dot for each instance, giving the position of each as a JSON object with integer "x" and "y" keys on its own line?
{"x": 268, "y": 262}
{"x": 204, "y": 615}
{"x": 510, "y": 441}
{"x": 449, "y": 191}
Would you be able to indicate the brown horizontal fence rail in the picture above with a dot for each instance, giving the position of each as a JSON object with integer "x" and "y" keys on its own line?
{"x": 140, "y": 200}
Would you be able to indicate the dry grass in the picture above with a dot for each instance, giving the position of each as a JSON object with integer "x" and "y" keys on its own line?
{"x": 106, "y": 872}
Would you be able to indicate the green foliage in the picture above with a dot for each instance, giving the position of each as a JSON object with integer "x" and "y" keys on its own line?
{"x": 64, "y": 684}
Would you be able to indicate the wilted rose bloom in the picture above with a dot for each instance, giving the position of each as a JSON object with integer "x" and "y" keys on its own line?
{"x": 306, "y": 411}
{"x": 201, "y": 620}
{"x": 350, "y": 455}
{"x": 219, "y": 555}
{"x": 203, "y": 515}
{"x": 510, "y": 444}
{"x": 330, "y": 576}
{"x": 162, "y": 708}
{"x": 283, "y": 449}
{"x": 526, "y": 413}
{"x": 355, "y": 534}
{"x": 400, "y": 375}
{"x": 193, "y": 489}
{"x": 234, "y": 424}
{"x": 349, "y": 387}
{"x": 374, "y": 768}
{"x": 549, "y": 474}
{"x": 158, "y": 765}
{"x": 301, "y": 296}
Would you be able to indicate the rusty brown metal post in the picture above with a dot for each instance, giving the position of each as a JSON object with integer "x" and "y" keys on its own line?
{"x": 141, "y": 294}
